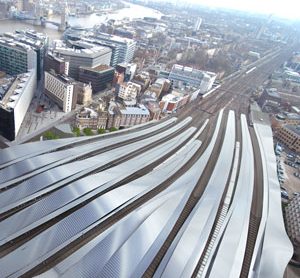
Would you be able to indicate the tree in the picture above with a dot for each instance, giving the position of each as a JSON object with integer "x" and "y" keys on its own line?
{"x": 76, "y": 131}
{"x": 49, "y": 135}
{"x": 112, "y": 129}
{"x": 88, "y": 131}
{"x": 101, "y": 131}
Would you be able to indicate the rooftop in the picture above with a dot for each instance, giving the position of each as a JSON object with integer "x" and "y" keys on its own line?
{"x": 11, "y": 43}
{"x": 64, "y": 78}
{"x": 12, "y": 89}
{"x": 294, "y": 128}
{"x": 114, "y": 38}
{"x": 93, "y": 51}
{"x": 141, "y": 110}
{"x": 272, "y": 92}
{"x": 98, "y": 68}
{"x": 292, "y": 116}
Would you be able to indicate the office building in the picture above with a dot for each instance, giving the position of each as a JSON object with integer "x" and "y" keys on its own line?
{"x": 120, "y": 116}
{"x": 58, "y": 64}
{"x": 186, "y": 76}
{"x": 60, "y": 89}
{"x": 289, "y": 135}
{"x": 16, "y": 57}
{"x": 291, "y": 75}
{"x": 207, "y": 81}
{"x": 126, "y": 46}
{"x": 88, "y": 57}
{"x": 129, "y": 91}
{"x": 16, "y": 94}
{"x": 100, "y": 77}
{"x": 292, "y": 221}
{"x": 198, "y": 24}
{"x": 269, "y": 97}
{"x": 171, "y": 102}
{"x": 82, "y": 43}
{"x": 37, "y": 41}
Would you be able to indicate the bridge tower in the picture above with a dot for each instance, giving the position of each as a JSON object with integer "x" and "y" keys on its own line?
{"x": 64, "y": 17}
{"x": 38, "y": 12}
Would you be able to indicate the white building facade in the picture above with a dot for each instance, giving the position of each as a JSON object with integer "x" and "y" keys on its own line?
{"x": 61, "y": 90}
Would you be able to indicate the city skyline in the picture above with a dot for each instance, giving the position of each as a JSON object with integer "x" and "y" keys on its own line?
{"x": 283, "y": 9}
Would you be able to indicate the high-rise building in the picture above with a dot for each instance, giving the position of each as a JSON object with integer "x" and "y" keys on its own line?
{"x": 198, "y": 24}
{"x": 127, "y": 46}
{"x": 100, "y": 77}
{"x": 87, "y": 42}
{"x": 60, "y": 89}
{"x": 91, "y": 57}
{"x": 16, "y": 94}
{"x": 16, "y": 57}
{"x": 37, "y": 41}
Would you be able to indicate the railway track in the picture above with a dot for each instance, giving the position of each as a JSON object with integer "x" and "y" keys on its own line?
{"x": 233, "y": 96}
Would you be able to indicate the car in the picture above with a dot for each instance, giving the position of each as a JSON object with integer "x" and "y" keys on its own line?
{"x": 297, "y": 175}
{"x": 296, "y": 193}
{"x": 283, "y": 188}
{"x": 284, "y": 196}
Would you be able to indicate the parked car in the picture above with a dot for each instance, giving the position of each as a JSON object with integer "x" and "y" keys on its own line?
{"x": 284, "y": 194}
{"x": 282, "y": 187}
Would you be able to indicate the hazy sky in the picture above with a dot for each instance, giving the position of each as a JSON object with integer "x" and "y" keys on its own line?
{"x": 283, "y": 8}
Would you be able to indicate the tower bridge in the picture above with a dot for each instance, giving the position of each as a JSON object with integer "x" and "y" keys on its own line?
{"x": 38, "y": 18}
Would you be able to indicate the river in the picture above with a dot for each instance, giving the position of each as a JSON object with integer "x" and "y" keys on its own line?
{"x": 88, "y": 21}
